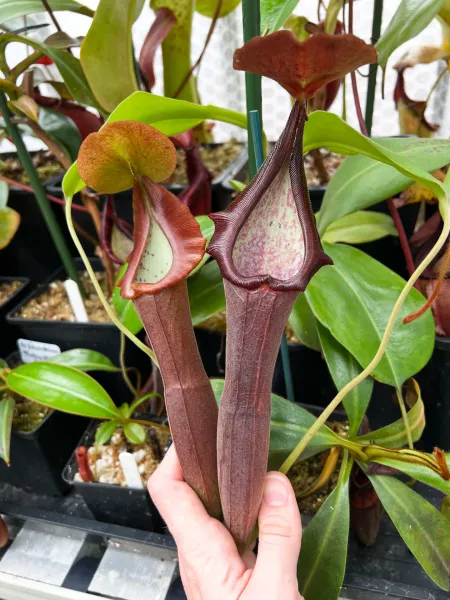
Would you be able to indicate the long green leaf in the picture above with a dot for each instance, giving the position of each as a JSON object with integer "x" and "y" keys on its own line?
{"x": 410, "y": 18}
{"x": 69, "y": 66}
{"x": 84, "y": 360}
{"x": 274, "y": 13}
{"x": 13, "y": 9}
{"x": 423, "y": 528}
{"x": 343, "y": 368}
{"x": 354, "y": 299}
{"x": 288, "y": 424}
{"x": 360, "y": 227}
{"x": 321, "y": 567}
{"x": 394, "y": 435}
{"x": 361, "y": 182}
{"x": 62, "y": 388}
{"x": 206, "y": 293}
{"x": 6, "y": 419}
{"x": 304, "y": 323}
{"x": 62, "y": 129}
{"x": 420, "y": 473}
{"x": 207, "y": 229}
{"x": 107, "y": 53}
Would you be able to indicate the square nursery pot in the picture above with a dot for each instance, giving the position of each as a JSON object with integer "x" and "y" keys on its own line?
{"x": 434, "y": 381}
{"x": 9, "y": 332}
{"x": 112, "y": 503}
{"x": 102, "y": 337}
{"x": 38, "y": 456}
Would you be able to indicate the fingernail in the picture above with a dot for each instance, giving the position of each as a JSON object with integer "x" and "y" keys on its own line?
{"x": 275, "y": 491}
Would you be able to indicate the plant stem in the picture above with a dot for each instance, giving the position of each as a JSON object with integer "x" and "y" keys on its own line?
{"x": 373, "y": 69}
{"x": 51, "y": 15}
{"x": 402, "y": 236}
{"x": 252, "y": 24}
{"x": 149, "y": 424}
{"x": 39, "y": 192}
{"x": 123, "y": 366}
{"x": 401, "y": 403}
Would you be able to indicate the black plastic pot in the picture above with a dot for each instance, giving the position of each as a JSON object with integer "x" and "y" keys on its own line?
{"x": 310, "y": 376}
{"x": 37, "y": 457}
{"x": 112, "y": 503}
{"x": 434, "y": 381}
{"x": 9, "y": 332}
{"x": 102, "y": 337}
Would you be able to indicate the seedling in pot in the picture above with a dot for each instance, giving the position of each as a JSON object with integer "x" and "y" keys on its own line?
{"x": 62, "y": 383}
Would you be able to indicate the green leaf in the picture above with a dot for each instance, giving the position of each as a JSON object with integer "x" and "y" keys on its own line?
{"x": 360, "y": 227}
{"x": 274, "y": 13}
{"x": 423, "y": 528}
{"x": 207, "y": 8}
{"x": 13, "y": 9}
{"x": 105, "y": 431}
{"x": 206, "y": 293}
{"x": 168, "y": 115}
{"x": 207, "y": 229}
{"x": 62, "y": 388}
{"x": 288, "y": 424}
{"x": 419, "y": 472}
{"x": 124, "y": 410}
{"x": 410, "y": 18}
{"x": 135, "y": 433}
{"x": 361, "y": 182}
{"x": 4, "y": 194}
{"x": 343, "y": 368}
{"x": 62, "y": 130}
{"x": 9, "y": 223}
{"x": 321, "y": 566}
{"x": 6, "y": 419}
{"x": 304, "y": 323}
{"x": 68, "y": 65}
{"x": 394, "y": 435}
{"x": 84, "y": 360}
{"x": 354, "y": 299}
{"x": 107, "y": 53}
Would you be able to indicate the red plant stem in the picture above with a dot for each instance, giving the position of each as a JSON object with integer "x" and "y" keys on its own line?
{"x": 83, "y": 464}
{"x": 362, "y": 125}
{"x": 190, "y": 401}
{"x": 54, "y": 199}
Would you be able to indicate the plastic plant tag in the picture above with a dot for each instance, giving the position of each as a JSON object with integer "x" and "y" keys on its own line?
{"x": 31, "y": 351}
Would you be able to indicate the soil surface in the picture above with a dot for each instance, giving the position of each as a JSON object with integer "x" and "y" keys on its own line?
{"x": 216, "y": 159}
{"x": 28, "y": 415}
{"x": 304, "y": 473}
{"x": 44, "y": 161}
{"x": 53, "y": 304}
{"x": 7, "y": 289}
{"x": 104, "y": 460}
{"x": 321, "y": 165}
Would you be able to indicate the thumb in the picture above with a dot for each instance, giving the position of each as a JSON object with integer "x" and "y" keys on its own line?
{"x": 280, "y": 532}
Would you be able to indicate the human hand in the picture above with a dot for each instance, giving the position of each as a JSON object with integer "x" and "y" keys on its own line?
{"x": 210, "y": 565}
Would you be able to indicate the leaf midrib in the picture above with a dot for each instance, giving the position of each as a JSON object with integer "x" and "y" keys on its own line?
{"x": 371, "y": 320}
{"x": 53, "y": 386}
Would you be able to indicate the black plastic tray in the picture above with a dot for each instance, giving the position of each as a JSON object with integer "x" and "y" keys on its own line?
{"x": 112, "y": 503}
{"x": 9, "y": 332}
{"x": 102, "y": 337}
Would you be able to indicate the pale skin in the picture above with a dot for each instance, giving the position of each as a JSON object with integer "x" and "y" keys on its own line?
{"x": 210, "y": 564}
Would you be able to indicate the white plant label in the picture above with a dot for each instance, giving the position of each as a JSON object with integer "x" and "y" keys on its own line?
{"x": 31, "y": 351}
